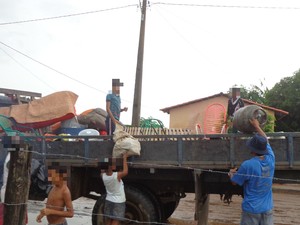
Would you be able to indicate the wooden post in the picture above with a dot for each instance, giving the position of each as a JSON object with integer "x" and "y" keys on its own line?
{"x": 17, "y": 188}
{"x": 202, "y": 200}
{"x": 136, "y": 109}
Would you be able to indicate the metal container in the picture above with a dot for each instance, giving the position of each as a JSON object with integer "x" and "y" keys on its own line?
{"x": 242, "y": 116}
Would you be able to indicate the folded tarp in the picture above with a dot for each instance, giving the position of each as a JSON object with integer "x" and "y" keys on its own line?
{"x": 45, "y": 111}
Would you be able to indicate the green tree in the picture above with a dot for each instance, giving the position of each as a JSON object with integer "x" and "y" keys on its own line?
{"x": 255, "y": 93}
{"x": 286, "y": 95}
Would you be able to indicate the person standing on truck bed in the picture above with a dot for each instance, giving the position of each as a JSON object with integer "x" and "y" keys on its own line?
{"x": 234, "y": 103}
{"x": 59, "y": 198}
{"x": 256, "y": 177}
{"x": 113, "y": 107}
{"x": 115, "y": 201}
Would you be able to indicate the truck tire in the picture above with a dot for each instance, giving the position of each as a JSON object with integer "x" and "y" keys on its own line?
{"x": 97, "y": 215}
{"x": 139, "y": 207}
{"x": 168, "y": 209}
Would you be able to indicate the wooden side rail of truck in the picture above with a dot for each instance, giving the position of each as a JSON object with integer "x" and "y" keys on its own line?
{"x": 169, "y": 167}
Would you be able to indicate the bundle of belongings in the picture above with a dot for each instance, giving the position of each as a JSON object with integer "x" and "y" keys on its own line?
{"x": 55, "y": 114}
{"x": 93, "y": 118}
{"x": 124, "y": 142}
{"x": 43, "y": 112}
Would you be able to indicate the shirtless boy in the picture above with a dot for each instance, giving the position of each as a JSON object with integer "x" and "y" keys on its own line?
{"x": 59, "y": 203}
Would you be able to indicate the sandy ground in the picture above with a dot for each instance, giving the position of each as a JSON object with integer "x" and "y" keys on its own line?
{"x": 286, "y": 208}
{"x": 286, "y": 211}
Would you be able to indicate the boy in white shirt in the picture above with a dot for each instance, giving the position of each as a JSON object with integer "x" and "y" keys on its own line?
{"x": 114, "y": 208}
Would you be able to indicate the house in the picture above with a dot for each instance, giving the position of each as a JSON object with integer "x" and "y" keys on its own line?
{"x": 194, "y": 115}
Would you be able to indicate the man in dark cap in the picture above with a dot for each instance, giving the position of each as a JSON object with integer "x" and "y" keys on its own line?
{"x": 113, "y": 107}
{"x": 235, "y": 102}
{"x": 256, "y": 177}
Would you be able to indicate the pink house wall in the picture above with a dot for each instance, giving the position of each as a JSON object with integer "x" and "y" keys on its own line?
{"x": 187, "y": 116}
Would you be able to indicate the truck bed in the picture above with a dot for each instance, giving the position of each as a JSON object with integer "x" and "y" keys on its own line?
{"x": 168, "y": 162}
{"x": 169, "y": 151}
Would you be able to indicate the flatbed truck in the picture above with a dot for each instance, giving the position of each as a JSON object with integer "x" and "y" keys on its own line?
{"x": 169, "y": 166}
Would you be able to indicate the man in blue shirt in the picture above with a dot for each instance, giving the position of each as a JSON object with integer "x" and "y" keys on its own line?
{"x": 113, "y": 107}
{"x": 256, "y": 177}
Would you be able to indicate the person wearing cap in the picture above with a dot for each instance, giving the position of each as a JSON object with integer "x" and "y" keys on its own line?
{"x": 113, "y": 107}
{"x": 256, "y": 177}
{"x": 234, "y": 103}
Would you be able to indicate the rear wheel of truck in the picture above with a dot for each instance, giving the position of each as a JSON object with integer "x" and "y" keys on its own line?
{"x": 168, "y": 209}
{"x": 139, "y": 207}
{"x": 97, "y": 215}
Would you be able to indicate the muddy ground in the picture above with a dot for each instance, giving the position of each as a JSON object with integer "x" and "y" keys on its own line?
{"x": 286, "y": 208}
{"x": 286, "y": 211}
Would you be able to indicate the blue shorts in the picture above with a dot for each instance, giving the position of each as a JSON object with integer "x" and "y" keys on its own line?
{"x": 114, "y": 210}
{"x": 257, "y": 219}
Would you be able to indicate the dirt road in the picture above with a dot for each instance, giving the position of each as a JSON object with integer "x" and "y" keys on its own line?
{"x": 286, "y": 208}
{"x": 286, "y": 211}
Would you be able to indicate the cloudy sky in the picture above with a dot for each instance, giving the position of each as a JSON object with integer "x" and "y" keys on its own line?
{"x": 193, "y": 48}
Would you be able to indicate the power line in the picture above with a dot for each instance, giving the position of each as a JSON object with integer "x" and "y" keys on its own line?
{"x": 51, "y": 68}
{"x": 65, "y": 16}
{"x": 55, "y": 70}
{"x": 155, "y": 3}
{"x": 227, "y": 6}
{"x": 24, "y": 67}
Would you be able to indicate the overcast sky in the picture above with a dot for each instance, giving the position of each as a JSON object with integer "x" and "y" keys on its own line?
{"x": 193, "y": 49}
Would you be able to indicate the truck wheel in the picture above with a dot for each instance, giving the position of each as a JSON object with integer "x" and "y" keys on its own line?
{"x": 97, "y": 215}
{"x": 168, "y": 209}
{"x": 139, "y": 207}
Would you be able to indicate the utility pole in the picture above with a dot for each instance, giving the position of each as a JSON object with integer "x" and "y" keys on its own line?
{"x": 17, "y": 188}
{"x": 136, "y": 109}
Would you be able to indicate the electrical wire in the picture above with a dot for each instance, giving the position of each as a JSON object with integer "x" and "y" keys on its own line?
{"x": 25, "y": 68}
{"x": 127, "y": 6}
{"x": 51, "y": 68}
{"x": 151, "y": 4}
{"x": 226, "y": 6}
{"x": 66, "y": 16}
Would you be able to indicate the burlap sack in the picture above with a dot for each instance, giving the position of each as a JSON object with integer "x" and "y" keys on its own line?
{"x": 124, "y": 142}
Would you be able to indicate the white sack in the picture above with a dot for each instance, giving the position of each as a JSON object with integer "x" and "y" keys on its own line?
{"x": 124, "y": 142}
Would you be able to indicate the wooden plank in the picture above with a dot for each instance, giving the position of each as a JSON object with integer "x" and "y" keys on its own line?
{"x": 150, "y": 131}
